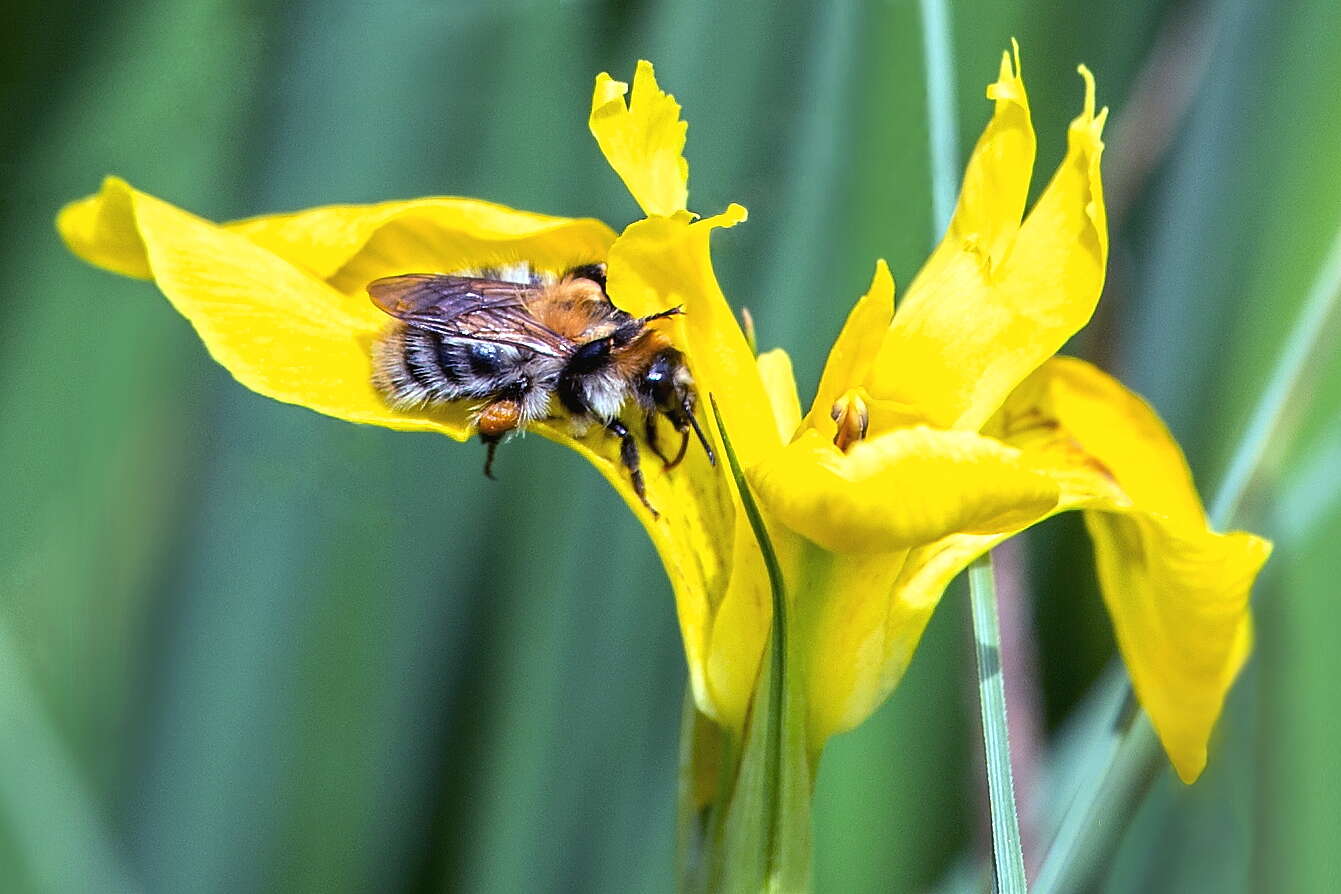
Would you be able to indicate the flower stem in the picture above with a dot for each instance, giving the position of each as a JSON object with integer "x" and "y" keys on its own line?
{"x": 1088, "y": 830}
{"x": 1008, "y": 856}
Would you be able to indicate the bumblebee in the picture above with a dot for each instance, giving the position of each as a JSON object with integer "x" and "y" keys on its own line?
{"x": 512, "y": 341}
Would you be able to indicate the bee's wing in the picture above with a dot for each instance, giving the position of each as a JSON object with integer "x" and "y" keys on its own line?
{"x": 469, "y": 307}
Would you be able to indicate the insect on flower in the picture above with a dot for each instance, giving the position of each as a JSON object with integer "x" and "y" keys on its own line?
{"x": 513, "y": 339}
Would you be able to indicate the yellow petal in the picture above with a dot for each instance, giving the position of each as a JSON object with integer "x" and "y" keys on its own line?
{"x": 874, "y": 610}
{"x": 285, "y": 333}
{"x": 775, "y": 369}
{"x": 278, "y": 329}
{"x": 741, "y": 622}
{"x": 723, "y": 605}
{"x": 665, "y": 262}
{"x": 994, "y": 303}
{"x": 996, "y": 181}
{"x": 1179, "y": 601}
{"x": 696, "y": 536}
{"x": 854, "y": 350}
{"x": 351, "y": 245}
{"x": 904, "y": 488}
{"x": 643, "y": 140}
{"x": 97, "y": 229}
{"x": 1177, "y": 591}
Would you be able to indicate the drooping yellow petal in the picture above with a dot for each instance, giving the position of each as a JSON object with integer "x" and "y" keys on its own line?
{"x": 1177, "y": 591}
{"x": 994, "y": 303}
{"x": 284, "y": 332}
{"x": 901, "y": 489}
{"x": 665, "y": 262}
{"x": 775, "y": 370}
{"x": 643, "y": 140}
{"x": 854, "y": 350}
{"x": 281, "y": 331}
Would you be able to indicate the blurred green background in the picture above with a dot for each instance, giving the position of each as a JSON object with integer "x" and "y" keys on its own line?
{"x": 247, "y": 648}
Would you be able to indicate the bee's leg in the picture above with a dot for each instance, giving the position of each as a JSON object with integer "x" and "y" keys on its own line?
{"x": 492, "y": 445}
{"x": 496, "y": 421}
{"x": 628, "y": 455}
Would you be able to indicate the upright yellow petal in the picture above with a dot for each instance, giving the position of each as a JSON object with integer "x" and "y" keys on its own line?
{"x": 854, "y": 350}
{"x": 278, "y": 329}
{"x": 900, "y": 489}
{"x": 775, "y": 370}
{"x": 665, "y": 262}
{"x": 994, "y": 303}
{"x": 643, "y": 140}
{"x": 996, "y": 181}
{"x": 1177, "y": 591}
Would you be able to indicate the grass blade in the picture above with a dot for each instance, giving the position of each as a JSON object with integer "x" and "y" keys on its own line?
{"x": 941, "y": 125}
{"x": 944, "y": 139}
{"x": 1008, "y": 858}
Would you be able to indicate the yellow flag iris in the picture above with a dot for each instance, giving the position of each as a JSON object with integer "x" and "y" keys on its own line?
{"x": 936, "y": 432}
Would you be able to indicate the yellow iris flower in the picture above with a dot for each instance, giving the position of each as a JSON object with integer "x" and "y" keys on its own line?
{"x": 937, "y": 431}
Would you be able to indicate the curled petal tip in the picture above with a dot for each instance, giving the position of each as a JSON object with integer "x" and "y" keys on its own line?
{"x": 1087, "y": 112}
{"x": 1009, "y": 84}
{"x": 607, "y": 90}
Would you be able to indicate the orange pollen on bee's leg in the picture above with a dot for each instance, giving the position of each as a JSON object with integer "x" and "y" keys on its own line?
{"x": 498, "y": 418}
{"x": 853, "y": 418}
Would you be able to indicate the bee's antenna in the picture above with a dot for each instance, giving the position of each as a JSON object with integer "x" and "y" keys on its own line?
{"x": 669, "y": 312}
{"x": 712, "y": 457}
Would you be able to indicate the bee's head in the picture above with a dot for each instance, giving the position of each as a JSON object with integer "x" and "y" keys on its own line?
{"x": 668, "y": 383}
{"x": 670, "y": 387}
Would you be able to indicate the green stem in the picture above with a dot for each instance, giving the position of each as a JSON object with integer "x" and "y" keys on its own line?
{"x": 1008, "y": 858}
{"x": 1088, "y": 832}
